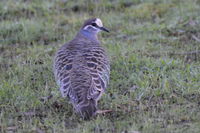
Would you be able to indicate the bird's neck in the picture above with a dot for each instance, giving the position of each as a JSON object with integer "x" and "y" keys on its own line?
{"x": 89, "y": 35}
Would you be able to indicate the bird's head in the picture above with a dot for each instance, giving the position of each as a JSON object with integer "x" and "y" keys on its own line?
{"x": 93, "y": 26}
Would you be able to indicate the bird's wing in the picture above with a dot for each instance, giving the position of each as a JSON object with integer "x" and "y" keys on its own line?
{"x": 62, "y": 69}
{"x": 98, "y": 67}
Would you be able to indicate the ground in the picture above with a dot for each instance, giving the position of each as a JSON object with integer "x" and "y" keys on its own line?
{"x": 154, "y": 48}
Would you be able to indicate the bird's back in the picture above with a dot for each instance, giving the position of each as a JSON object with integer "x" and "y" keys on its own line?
{"x": 81, "y": 68}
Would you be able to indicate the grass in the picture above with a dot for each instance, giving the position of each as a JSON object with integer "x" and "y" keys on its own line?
{"x": 155, "y": 65}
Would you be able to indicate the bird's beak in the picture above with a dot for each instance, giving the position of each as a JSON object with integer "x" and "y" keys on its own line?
{"x": 104, "y": 29}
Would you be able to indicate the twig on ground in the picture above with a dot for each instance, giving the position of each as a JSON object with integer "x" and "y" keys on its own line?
{"x": 31, "y": 113}
{"x": 171, "y": 53}
{"x": 12, "y": 128}
{"x": 195, "y": 38}
{"x": 103, "y": 111}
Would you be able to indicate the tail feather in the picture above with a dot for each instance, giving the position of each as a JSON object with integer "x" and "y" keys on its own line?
{"x": 87, "y": 110}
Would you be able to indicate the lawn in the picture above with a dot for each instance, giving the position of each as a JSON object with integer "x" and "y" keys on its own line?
{"x": 154, "y": 49}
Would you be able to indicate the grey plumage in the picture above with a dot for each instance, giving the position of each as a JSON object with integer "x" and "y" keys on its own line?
{"x": 82, "y": 69}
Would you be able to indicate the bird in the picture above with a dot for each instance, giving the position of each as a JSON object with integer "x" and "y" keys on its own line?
{"x": 82, "y": 69}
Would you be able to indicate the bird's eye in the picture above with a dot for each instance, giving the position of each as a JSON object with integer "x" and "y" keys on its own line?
{"x": 94, "y": 24}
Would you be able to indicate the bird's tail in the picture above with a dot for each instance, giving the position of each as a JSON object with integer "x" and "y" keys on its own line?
{"x": 87, "y": 109}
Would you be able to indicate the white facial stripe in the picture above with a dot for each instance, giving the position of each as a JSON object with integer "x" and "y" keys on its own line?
{"x": 98, "y": 22}
{"x": 89, "y": 26}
